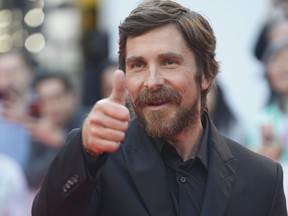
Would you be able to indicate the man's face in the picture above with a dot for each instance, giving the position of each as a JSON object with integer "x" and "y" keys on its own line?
{"x": 14, "y": 75}
{"x": 56, "y": 102}
{"x": 161, "y": 81}
{"x": 277, "y": 72}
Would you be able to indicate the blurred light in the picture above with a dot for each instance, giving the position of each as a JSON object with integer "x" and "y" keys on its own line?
{"x": 5, "y": 18}
{"x": 34, "y": 17}
{"x": 19, "y": 37}
{"x": 5, "y": 43}
{"x": 35, "y": 43}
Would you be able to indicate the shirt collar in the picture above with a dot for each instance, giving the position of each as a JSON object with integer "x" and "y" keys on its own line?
{"x": 202, "y": 152}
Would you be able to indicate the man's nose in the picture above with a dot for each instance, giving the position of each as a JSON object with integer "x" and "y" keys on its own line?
{"x": 155, "y": 79}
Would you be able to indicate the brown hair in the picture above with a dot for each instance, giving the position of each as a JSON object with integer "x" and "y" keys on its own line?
{"x": 194, "y": 28}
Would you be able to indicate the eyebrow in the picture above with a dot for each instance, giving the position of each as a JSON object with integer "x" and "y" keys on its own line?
{"x": 161, "y": 56}
{"x": 171, "y": 55}
{"x": 134, "y": 59}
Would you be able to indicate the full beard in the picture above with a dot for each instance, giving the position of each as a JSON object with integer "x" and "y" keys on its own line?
{"x": 162, "y": 123}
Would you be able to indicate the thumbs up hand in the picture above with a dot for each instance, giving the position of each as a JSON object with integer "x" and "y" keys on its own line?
{"x": 105, "y": 126}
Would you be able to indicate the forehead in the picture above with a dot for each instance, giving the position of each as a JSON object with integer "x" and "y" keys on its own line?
{"x": 11, "y": 60}
{"x": 166, "y": 38}
{"x": 50, "y": 85}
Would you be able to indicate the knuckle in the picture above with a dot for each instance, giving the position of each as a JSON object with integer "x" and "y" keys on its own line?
{"x": 95, "y": 119}
{"x": 100, "y": 104}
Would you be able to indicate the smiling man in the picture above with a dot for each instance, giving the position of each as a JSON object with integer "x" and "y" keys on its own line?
{"x": 170, "y": 159}
{"x": 161, "y": 82}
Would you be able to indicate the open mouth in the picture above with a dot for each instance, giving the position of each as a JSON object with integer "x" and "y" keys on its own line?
{"x": 156, "y": 102}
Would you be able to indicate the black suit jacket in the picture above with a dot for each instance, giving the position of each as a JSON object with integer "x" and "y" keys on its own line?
{"x": 132, "y": 181}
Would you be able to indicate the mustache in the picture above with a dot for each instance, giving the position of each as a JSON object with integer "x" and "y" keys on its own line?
{"x": 158, "y": 96}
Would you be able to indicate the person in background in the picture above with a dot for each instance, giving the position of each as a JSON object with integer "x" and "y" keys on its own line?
{"x": 170, "y": 159}
{"x": 16, "y": 74}
{"x": 57, "y": 112}
{"x": 274, "y": 28}
{"x": 268, "y": 134}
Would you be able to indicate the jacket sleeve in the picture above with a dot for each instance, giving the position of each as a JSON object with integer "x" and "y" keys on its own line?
{"x": 279, "y": 206}
{"x": 68, "y": 188}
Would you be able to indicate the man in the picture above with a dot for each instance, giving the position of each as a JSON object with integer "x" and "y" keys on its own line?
{"x": 170, "y": 159}
{"x": 58, "y": 113}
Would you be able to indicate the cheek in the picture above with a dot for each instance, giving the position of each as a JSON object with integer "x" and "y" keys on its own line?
{"x": 187, "y": 84}
{"x": 132, "y": 95}
{"x": 132, "y": 88}
{"x": 190, "y": 92}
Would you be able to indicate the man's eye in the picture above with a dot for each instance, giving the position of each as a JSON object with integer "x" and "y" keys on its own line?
{"x": 137, "y": 65}
{"x": 169, "y": 62}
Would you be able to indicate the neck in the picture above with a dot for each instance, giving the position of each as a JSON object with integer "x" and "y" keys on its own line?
{"x": 186, "y": 142}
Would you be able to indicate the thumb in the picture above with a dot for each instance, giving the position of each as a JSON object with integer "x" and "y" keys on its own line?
{"x": 119, "y": 87}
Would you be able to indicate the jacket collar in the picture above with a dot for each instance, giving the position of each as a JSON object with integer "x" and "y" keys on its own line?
{"x": 221, "y": 174}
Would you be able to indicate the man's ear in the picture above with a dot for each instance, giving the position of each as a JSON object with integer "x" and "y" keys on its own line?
{"x": 205, "y": 83}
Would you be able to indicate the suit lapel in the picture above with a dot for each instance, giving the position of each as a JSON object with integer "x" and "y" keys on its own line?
{"x": 221, "y": 175}
{"x": 148, "y": 171}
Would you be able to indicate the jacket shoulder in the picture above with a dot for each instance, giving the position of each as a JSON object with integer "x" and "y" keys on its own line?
{"x": 254, "y": 163}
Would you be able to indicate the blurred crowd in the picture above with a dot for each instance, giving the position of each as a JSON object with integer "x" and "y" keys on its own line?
{"x": 40, "y": 104}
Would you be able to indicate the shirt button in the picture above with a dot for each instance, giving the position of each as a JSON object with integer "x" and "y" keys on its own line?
{"x": 183, "y": 179}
